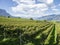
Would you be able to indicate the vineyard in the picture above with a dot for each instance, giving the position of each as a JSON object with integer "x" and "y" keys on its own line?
{"x": 15, "y": 31}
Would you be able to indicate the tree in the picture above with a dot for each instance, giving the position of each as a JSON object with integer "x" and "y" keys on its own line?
{"x": 31, "y": 18}
{"x": 8, "y": 16}
{"x": 45, "y": 20}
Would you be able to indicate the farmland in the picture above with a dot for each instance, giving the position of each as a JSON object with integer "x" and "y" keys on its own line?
{"x": 18, "y": 31}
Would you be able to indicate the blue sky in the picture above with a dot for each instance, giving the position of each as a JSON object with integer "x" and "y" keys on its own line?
{"x": 31, "y": 8}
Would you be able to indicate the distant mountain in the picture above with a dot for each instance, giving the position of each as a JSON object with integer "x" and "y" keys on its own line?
{"x": 4, "y": 13}
{"x": 50, "y": 17}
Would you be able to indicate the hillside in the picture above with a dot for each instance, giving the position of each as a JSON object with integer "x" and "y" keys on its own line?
{"x": 50, "y": 17}
{"x": 4, "y": 13}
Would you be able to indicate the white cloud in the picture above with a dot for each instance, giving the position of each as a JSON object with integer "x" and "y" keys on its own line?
{"x": 46, "y": 1}
{"x": 49, "y": 1}
{"x": 28, "y": 8}
{"x": 25, "y": 1}
{"x": 23, "y": 7}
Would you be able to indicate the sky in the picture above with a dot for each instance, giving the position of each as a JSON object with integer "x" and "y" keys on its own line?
{"x": 31, "y": 8}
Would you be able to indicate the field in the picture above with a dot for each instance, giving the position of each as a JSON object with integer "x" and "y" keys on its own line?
{"x": 18, "y": 31}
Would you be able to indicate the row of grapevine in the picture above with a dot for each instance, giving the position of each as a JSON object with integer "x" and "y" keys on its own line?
{"x": 52, "y": 37}
{"x": 16, "y": 31}
{"x": 26, "y": 32}
{"x": 32, "y": 38}
{"x": 48, "y": 30}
